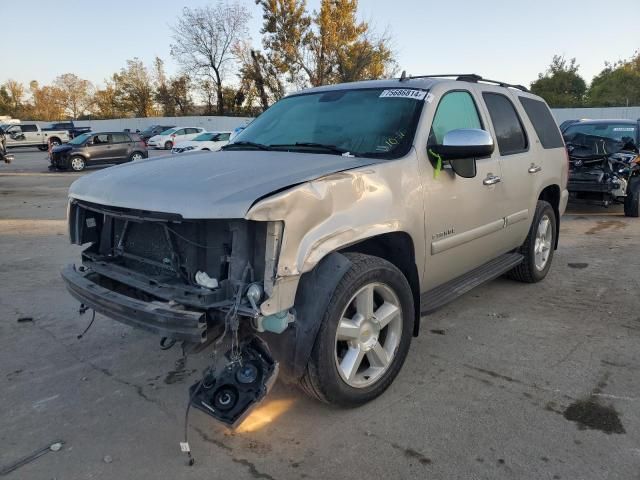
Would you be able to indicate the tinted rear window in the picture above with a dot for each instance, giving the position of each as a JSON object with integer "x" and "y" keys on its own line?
{"x": 543, "y": 122}
{"x": 506, "y": 123}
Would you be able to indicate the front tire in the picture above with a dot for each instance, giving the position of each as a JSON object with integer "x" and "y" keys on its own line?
{"x": 77, "y": 163}
{"x": 539, "y": 246}
{"x": 632, "y": 204}
{"x": 365, "y": 334}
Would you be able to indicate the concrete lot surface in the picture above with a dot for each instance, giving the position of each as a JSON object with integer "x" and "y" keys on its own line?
{"x": 511, "y": 381}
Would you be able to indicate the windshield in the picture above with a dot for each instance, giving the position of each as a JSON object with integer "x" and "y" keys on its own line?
{"x": 149, "y": 129}
{"x": 168, "y": 132}
{"x": 367, "y": 122}
{"x": 591, "y": 138}
{"x": 204, "y": 137}
{"x": 80, "y": 139}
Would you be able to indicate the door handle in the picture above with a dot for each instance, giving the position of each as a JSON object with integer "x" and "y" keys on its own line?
{"x": 534, "y": 168}
{"x": 491, "y": 180}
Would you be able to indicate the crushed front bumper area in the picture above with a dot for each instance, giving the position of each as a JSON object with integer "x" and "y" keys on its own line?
{"x": 163, "y": 318}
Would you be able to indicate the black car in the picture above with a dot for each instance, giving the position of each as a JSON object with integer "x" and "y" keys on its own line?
{"x": 604, "y": 162}
{"x": 98, "y": 149}
{"x": 153, "y": 130}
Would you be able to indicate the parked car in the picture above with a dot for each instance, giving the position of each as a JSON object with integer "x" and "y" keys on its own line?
{"x": 167, "y": 139}
{"x": 69, "y": 127}
{"x": 153, "y": 130}
{"x": 98, "y": 149}
{"x": 31, "y": 135}
{"x": 323, "y": 233}
{"x": 211, "y": 141}
{"x": 605, "y": 163}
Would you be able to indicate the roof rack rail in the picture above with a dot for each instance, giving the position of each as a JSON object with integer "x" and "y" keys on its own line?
{"x": 465, "y": 77}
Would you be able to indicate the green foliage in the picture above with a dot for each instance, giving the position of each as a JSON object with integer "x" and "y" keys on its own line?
{"x": 561, "y": 85}
{"x": 618, "y": 85}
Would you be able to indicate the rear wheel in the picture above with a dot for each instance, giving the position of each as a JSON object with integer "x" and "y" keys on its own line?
{"x": 77, "y": 163}
{"x": 364, "y": 336}
{"x": 539, "y": 246}
{"x": 168, "y": 145}
{"x": 43, "y": 148}
{"x": 54, "y": 142}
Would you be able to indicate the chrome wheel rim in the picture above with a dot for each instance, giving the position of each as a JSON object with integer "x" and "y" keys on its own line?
{"x": 368, "y": 335}
{"x": 542, "y": 246}
{"x": 136, "y": 156}
{"x": 77, "y": 164}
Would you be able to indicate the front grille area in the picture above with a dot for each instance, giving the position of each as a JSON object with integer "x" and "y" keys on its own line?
{"x": 60, "y": 159}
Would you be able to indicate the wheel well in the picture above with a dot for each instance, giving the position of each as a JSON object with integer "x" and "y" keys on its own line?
{"x": 397, "y": 248}
{"x": 551, "y": 194}
{"x": 55, "y": 138}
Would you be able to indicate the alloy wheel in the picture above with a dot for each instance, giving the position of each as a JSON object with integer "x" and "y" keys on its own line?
{"x": 542, "y": 246}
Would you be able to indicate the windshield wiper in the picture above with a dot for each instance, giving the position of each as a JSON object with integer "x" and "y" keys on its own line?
{"x": 321, "y": 146}
{"x": 259, "y": 146}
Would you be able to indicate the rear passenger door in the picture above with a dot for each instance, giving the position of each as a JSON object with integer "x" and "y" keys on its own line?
{"x": 121, "y": 146}
{"x": 101, "y": 148}
{"x": 516, "y": 160}
{"x": 31, "y": 134}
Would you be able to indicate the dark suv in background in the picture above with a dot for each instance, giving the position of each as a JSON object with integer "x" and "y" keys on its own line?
{"x": 153, "y": 130}
{"x": 98, "y": 149}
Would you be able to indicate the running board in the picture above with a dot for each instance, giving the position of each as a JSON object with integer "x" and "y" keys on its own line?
{"x": 438, "y": 297}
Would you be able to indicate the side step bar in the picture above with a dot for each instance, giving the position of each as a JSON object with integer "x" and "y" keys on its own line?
{"x": 438, "y": 297}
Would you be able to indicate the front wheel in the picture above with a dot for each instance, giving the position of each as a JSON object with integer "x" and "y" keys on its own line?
{"x": 365, "y": 334}
{"x": 632, "y": 204}
{"x": 77, "y": 163}
{"x": 539, "y": 246}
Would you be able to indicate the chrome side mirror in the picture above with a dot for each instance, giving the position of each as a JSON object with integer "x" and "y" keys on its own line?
{"x": 461, "y": 147}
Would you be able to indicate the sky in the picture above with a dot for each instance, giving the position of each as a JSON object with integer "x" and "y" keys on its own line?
{"x": 508, "y": 41}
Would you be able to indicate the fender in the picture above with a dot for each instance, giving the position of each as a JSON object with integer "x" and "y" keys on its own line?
{"x": 292, "y": 347}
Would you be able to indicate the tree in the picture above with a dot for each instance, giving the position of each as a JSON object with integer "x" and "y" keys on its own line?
{"x": 172, "y": 94}
{"x": 5, "y": 101}
{"x": 106, "y": 103}
{"x": 327, "y": 47}
{"x": 618, "y": 85}
{"x": 204, "y": 42}
{"x": 134, "y": 89}
{"x": 15, "y": 92}
{"x": 561, "y": 85}
{"x": 258, "y": 77}
{"x": 76, "y": 94}
{"x": 46, "y": 102}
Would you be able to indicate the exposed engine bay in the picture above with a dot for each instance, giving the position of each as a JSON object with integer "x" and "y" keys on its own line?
{"x": 195, "y": 281}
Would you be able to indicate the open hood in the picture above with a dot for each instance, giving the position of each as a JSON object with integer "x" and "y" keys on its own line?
{"x": 208, "y": 184}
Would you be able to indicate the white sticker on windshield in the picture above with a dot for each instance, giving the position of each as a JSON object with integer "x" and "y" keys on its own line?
{"x": 624, "y": 129}
{"x": 403, "y": 93}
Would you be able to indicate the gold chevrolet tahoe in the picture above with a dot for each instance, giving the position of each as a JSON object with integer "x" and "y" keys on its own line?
{"x": 315, "y": 243}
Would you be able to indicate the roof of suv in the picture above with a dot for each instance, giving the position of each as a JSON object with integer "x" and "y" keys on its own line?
{"x": 422, "y": 82}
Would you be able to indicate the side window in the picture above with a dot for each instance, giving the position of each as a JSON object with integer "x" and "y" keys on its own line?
{"x": 543, "y": 122}
{"x": 506, "y": 123}
{"x": 180, "y": 132}
{"x": 120, "y": 138}
{"x": 455, "y": 110}
{"x": 101, "y": 139}
{"x": 224, "y": 137}
{"x": 29, "y": 128}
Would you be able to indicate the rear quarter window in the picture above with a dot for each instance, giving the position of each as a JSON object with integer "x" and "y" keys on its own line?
{"x": 543, "y": 122}
{"x": 506, "y": 123}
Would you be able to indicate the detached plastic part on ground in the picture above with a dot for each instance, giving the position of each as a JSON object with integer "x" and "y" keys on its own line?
{"x": 231, "y": 392}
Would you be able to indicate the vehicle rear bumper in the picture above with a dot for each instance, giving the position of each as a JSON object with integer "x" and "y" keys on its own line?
{"x": 155, "y": 317}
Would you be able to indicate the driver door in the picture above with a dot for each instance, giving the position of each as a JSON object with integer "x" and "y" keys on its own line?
{"x": 14, "y": 136}
{"x": 464, "y": 216}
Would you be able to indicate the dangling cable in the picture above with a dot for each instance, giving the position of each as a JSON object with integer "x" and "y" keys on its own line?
{"x": 93, "y": 317}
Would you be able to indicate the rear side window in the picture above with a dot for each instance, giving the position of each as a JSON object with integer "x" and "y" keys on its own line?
{"x": 29, "y": 128}
{"x": 456, "y": 110}
{"x": 223, "y": 137}
{"x": 120, "y": 138}
{"x": 543, "y": 122}
{"x": 506, "y": 123}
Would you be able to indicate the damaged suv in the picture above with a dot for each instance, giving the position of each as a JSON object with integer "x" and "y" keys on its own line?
{"x": 311, "y": 245}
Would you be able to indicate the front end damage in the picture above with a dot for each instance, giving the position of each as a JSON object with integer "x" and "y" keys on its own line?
{"x": 195, "y": 281}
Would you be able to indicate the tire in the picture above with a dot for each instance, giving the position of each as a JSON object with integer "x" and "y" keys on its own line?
{"x": 632, "y": 204}
{"x": 325, "y": 377}
{"x": 136, "y": 156}
{"x": 55, "y": 142}
{"x": 43, "y": 148}
{"x": 536, "y": 264}
{"x": 168, "y": 145}
{"x": 77, "y": 163}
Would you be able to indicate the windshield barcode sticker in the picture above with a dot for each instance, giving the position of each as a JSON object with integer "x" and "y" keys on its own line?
{"x": 624, "y": 129}
{"x": 403, "y": 93}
